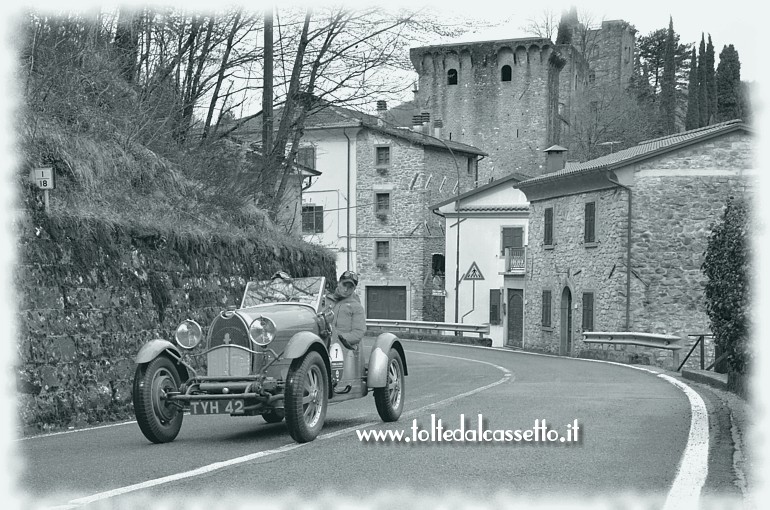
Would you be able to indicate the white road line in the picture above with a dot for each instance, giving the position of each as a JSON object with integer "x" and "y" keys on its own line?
{"x": 507, "y": 376}
{"x": 693, "y": 468}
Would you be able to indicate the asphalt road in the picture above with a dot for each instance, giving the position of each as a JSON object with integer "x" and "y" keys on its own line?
{"x": 633, "y": 429}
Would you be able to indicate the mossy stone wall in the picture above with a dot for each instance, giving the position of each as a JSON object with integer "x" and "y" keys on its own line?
{"x": 89, "y": 294}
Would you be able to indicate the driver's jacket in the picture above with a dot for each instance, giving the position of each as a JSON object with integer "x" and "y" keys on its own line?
{"x": 349, "y": 320}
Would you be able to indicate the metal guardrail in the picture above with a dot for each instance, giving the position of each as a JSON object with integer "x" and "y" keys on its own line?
{"x": 481, "y": 329}
{"x": 633, "y": 338}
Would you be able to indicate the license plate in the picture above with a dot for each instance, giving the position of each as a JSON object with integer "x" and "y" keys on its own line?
{"x": 232, "y": 406}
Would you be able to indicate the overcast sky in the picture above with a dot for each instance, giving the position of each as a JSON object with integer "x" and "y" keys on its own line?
{"x": 736, "y": 25}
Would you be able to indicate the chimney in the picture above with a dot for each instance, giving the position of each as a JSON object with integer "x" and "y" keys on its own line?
{"x": 382, "y": 107}
{"x": 555, "y": 158}
{"x": 417, "y": 123}
{"x": 437, "y": 125}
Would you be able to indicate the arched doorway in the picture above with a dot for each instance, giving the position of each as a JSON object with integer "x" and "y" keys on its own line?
{"x": 566, "y": 322}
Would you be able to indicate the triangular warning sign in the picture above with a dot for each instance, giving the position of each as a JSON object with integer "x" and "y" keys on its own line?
{"x": 474, "y": 273}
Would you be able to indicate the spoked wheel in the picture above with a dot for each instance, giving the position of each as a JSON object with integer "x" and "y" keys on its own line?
{"x": 306, "y": 397}
{"x": 390, "y": 399}
{"x": 274, "y": 415}
{"x": 159, "y": 420}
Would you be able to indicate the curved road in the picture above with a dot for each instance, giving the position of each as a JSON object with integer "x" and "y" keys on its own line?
{"x": 633, "y": 430}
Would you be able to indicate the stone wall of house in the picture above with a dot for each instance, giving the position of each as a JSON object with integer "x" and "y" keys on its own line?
{"x": 508, "y": 120}
{"x": 417, "y": 177}
{"x": 570, "y": 263}
{"x": 89, "y": 294}
{"x": 677, "y": 200}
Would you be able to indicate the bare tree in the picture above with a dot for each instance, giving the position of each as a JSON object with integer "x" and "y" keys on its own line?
{"x": 543, "y": 25}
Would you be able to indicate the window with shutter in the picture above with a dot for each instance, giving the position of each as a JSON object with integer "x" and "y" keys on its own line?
{"x": 494, "y": 306}
{"x": 590, "y": 223}
{"x": 306, "y": 157}
{"x": 588, "y": 311}
{"x": 548, "y": 227}
{"x": 546, "y": 318}
{"x": 512, "y": 237}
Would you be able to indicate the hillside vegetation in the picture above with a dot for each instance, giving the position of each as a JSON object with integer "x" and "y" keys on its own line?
{"x": 114, "y": 146}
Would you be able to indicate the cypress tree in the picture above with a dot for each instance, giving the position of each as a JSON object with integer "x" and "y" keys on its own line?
{"x": 728, "y": 85}
{"x": 692, "y": 120}
{"x": 668, "y": 83}
{"x": 711, "y": 84}
{"x": 702, "y": 94}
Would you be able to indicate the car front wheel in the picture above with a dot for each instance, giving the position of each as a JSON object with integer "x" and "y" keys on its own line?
{"x": 306, "y": 397}
{"x": 158, "y": 419}
{"x": 390, "y": 399}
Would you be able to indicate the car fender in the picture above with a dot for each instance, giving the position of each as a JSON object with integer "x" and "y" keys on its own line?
{"x": 377, "y": 376}
{"x": 153, "y": 348}
{"x": 305, "y": 341}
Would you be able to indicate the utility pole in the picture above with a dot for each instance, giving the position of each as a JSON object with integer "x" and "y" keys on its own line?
{"x": 267, "y": 89}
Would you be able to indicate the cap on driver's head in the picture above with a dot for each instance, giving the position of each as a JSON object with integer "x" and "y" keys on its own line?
{"x": 349, "y": 276}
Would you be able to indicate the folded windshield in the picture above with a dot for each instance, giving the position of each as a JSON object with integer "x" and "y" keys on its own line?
{"x": 278, "y": 290}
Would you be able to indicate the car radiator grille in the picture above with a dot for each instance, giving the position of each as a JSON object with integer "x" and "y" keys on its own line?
{"x": 226, "y": 360}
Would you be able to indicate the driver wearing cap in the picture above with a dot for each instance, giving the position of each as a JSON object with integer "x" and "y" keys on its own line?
{"x": 349, "y": 321}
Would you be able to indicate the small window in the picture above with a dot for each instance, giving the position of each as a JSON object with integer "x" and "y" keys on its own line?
{"x": 473, "y": 166}
{"x": 382, "y": 157}
{"x": 438, "y": 264}
{"x": 505, "y": 73}
{"x": 494, "y": 306}
{"x": 451, "y": 77}
{"x": 312, "y": 219}
{"x": 588, "y": 311}
{"x": 591, "y": 77}
{"x": 382, "y": 251}
{"x": 382, "y": 203}
{"x": 590, "y": 223}
{"x": 306, "y": 157}
{"x": 546, "y": 318}
{"x": 548, "y": 227}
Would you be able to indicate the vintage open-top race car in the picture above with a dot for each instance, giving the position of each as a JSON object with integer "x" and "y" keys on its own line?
{"x": 276, "y": 356}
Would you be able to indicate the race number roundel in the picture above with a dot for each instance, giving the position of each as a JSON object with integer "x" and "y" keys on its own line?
{"x": 335, "y": 353}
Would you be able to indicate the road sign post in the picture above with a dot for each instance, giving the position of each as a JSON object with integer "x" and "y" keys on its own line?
{"x": 45, "y": 180}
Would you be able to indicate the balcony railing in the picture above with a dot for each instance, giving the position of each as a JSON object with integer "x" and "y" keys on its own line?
{"x": 515, "y": 260}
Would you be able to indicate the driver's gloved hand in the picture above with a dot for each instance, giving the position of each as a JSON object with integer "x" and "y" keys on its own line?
{"x": 346, "y": 344}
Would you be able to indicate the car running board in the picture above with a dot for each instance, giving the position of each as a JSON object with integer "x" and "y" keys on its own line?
{"x": 346, "y": 389}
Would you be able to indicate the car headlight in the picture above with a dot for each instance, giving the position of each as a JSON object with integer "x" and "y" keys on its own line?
{"x": 262, "y": 331}
{"x": 188, "y": 334}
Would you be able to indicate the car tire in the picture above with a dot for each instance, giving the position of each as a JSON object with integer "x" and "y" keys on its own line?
{"x": 160, "y": 422}
{"x": 274, "y": 415}
{"x": 306, "y": 397}
{"x": 390, "y": 399}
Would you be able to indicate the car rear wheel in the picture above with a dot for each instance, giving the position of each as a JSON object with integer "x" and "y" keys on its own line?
{"x": 274, "y": 415}
{"x": 159, "y": 420}
{"x": 390, "y": 399}
{"x": 306, "y": 397}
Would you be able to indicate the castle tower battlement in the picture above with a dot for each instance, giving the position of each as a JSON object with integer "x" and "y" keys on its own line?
{"x": 492, "y": 94}
{"x": 513, "y": 98}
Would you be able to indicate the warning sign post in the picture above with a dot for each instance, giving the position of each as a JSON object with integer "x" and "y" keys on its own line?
{"x": 474, "y": 273}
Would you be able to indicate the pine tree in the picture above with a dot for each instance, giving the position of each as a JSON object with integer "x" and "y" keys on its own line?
{"x": 668, "y": 83}
{"x": 728, "y": 85}
{"x": 702, "y": 93}
{"x": 711, "y": 84}
{"x": 692, "y": 120}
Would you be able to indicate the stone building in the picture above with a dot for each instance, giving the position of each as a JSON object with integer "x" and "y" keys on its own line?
{"x": 649, "y": 208}
{"x": 513, "y": 98}
{"x": 371, "y": 204}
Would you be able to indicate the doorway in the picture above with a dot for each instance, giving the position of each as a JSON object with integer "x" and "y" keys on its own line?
{"x": 566, "y": 322}
{"x": 515, "y": 317}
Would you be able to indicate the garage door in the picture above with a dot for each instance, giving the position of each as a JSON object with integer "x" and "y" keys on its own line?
{"x": 386, "y": 303}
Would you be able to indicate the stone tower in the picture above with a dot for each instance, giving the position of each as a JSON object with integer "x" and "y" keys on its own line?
{"x": 513, "y": 98}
